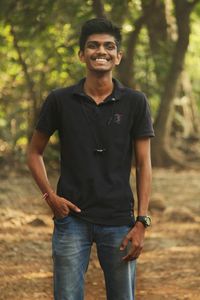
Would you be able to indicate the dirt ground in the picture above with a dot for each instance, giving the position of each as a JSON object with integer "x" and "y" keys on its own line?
{"x": 169, "y": 267}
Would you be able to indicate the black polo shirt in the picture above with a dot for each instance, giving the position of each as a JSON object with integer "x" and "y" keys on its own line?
{"x": 96, "y": 148}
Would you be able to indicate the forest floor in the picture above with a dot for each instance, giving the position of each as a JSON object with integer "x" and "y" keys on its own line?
{"x": 169, "y": 267}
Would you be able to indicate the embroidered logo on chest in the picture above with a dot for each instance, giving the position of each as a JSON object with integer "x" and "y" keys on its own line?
{"x": 117, "y": 118}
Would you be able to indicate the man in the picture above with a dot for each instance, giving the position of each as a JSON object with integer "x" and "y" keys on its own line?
{"x": 99, "y": 122}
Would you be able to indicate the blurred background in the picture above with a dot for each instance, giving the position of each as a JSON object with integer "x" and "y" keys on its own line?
{"x": 39, "y": 46}
{"x": 161, "y": 57}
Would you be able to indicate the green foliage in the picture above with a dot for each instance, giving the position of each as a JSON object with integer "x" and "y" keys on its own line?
{"x": 145, "y": 79}
{"x": 192, "y": 58}
{"x": 45, "y": 35}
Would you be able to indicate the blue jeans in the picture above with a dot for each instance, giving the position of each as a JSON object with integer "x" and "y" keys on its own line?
{"x": 72, "y": 241}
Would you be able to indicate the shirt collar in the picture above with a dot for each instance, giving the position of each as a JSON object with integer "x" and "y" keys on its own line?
{"x": 115, "y": 96}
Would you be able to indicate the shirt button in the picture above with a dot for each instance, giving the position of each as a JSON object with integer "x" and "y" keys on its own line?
{"x": 96, "y": 110}
{"x": 113, "y": 99}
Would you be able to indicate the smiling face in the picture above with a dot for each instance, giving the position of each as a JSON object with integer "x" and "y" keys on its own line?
{"x": 100, "y": 53}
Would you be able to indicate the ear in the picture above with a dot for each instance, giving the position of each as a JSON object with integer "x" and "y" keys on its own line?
{"x": 81, "y": 56}
{"x": 118, "y": 58}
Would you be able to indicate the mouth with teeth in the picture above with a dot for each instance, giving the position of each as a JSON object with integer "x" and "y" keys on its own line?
{"x": 100, "y": 59}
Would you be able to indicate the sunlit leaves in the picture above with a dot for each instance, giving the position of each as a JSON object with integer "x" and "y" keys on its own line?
{"x": 47, "y": 35}
{"x": 193, "y": 59}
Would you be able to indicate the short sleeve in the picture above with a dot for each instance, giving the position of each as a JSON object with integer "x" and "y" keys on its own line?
{"x": 48, "y": 117}
{"x": 142, "y": 123}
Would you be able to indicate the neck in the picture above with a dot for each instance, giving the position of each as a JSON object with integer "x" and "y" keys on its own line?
{"x": 98, "y": 87}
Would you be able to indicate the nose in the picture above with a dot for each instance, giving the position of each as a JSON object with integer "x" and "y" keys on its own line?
{"x": 101, "y": 49}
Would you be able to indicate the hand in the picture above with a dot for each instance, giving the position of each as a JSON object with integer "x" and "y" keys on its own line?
{"x": 136, "y": 238}
{"x": 61, "y": 206}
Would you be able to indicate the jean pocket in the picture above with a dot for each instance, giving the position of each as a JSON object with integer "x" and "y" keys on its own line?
{"x": 61, "y": 221}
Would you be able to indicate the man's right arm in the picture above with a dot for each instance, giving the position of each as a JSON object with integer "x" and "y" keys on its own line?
{"x": 60, "y": 206}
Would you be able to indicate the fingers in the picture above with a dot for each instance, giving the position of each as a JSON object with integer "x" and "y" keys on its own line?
{"x": 135, "y": 249}
{"x": 132, "y": 255}
{"x": 124, "y": 243}
{"x": 61, "y": 206}
{"x": 73, "y": 206}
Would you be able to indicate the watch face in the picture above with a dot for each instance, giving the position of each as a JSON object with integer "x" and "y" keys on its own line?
{"x": 145, "y": 220}
{"x": 148, "y": 221}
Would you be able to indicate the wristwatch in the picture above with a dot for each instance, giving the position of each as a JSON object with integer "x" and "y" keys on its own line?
{"x": 145, "y": 220}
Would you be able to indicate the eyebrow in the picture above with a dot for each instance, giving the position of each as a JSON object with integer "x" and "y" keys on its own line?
{"x": 98, "y": 43}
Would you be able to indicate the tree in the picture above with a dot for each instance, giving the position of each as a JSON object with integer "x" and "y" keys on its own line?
{"x": 39, "y": 53}
{"x": 159, "y": 41}
{"x": 168, "y": 49}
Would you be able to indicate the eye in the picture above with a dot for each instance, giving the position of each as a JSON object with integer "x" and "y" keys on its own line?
{"x": 92, "y": 46}
{"x": 110, "y": 46}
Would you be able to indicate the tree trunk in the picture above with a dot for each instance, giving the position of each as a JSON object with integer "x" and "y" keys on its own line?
{"x": 186, "y": 121}
{"x": 98, "y": 9}
{"x": 161, "y": 148}
{"x": 126, "y": 68}
{"x": 157, "y": 27}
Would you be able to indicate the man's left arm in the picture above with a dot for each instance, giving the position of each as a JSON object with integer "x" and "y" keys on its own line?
{"x": 143, "y": 185}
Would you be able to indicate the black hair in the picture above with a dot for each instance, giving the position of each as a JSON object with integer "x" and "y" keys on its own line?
{"x": 99, "y": 25}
